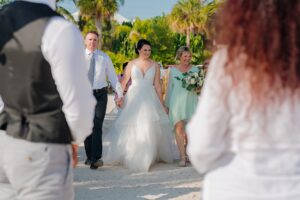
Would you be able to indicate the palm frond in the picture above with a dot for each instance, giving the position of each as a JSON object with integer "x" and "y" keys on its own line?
{"x": 66, "y": 14}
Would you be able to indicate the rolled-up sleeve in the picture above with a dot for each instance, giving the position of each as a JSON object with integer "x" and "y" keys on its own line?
{"x": 62, "y": 46}
{"x": 208, "y": 128}
{"x": 112, "y": 77}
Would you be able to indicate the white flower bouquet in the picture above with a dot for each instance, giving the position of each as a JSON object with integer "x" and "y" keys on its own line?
{"x": 193, "y": 81}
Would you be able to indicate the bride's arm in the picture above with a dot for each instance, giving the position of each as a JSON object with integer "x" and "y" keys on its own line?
{"x": 126, "y": 76}
{"x": 124, "y": 81}
{"x": 169, "y": 88}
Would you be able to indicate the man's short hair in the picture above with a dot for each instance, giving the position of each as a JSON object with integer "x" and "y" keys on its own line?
{"x": 92, "y": 32}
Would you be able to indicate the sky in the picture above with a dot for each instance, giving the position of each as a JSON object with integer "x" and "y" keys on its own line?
{"x": 145, "y": 8}
{"x": 136, "y": 8}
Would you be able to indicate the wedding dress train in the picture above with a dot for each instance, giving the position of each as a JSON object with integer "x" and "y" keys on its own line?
{"x": 141, "y": 134}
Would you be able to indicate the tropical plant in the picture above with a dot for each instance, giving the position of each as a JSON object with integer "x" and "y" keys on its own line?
{"x": 118, "y": 60}
{"x": 61, "y": 10}
{"x": 100, "y": 11}
{"x": 209, "y": 12}
{"x": 197, "y": 46}
{"x": 121, "y": 42}
{"x": 64, "y": 12}
{"x": 155, "y": 30}
{"x": 191, "y": 16}
{"x": 3, "y": 2}
{"x": 86, "y": 24}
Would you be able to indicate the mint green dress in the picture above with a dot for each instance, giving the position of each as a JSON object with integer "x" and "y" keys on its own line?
{"x": 181, "y": 102}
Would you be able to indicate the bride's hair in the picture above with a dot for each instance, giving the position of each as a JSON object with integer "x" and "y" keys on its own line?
{"x": 140, "y": 45}
{"x": 263, "y": 43}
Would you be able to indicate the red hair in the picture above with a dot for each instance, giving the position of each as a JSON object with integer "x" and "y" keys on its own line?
{"x": 263, "y": 42}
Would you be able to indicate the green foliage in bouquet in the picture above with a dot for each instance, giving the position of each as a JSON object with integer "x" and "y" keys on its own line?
{"x": 193, "y": 81}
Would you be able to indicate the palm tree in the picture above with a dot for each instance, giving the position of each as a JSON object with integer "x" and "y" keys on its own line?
{"x": 99, "y": 10}
{"x": 191, "y": 16}
{"x": 3, "y": 2}
{"x": 59, "y": 9}
{"x": 64, "y": 12}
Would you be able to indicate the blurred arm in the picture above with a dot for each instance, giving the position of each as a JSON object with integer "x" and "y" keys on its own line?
{"x": 112, "y": 77}
{"x": 62, "y": 46}
{"x": 208, "y": 129}
{"x": 1, "y": 105}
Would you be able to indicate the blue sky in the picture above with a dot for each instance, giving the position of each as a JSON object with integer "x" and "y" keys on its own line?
{"x": 137, "y": 8}
{"x": 146, "y": 8}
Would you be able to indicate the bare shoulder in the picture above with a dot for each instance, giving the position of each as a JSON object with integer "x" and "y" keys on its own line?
{"x": 155, "y": 63}
{"x": 130, "y": 64}
{"x": 134, "y": 62}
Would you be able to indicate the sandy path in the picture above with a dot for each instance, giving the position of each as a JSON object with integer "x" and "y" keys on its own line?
{"x": 164, "y": 181}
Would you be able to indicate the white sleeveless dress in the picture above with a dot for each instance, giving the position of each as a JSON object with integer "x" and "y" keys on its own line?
{"x": 141, "y": 134}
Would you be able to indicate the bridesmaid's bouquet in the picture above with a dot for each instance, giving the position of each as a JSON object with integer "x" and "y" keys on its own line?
{"x": 193, "y": 81}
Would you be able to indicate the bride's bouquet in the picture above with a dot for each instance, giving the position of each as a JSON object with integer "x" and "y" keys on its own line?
{"x": 193, "y": 81}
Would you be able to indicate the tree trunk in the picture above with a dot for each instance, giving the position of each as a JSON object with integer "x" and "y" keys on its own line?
{"x": 188, "y": 38}
{"x": 99, "y": 30}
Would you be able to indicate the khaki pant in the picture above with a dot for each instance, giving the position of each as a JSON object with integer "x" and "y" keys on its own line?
{"x": 34, "y": 171}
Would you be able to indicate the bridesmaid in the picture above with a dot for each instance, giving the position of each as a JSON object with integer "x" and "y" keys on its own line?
{"x": 181, "y": 102}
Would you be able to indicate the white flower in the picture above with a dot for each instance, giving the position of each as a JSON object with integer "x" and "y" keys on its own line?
{"x": 188, "y": 79}
{"x": 193, "y": 81}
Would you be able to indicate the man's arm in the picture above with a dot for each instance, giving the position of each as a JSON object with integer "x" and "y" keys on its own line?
{"x": 1, "y": 105}
{"x": 62, "y": 46}
{"x": 112, "y": 77}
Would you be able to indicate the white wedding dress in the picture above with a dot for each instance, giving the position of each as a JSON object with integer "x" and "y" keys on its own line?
{"x": 141, "y": 134}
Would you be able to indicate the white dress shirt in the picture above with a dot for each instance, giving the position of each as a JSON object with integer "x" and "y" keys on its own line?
{"x": 247, "y": 154}
{"x": 62, "y": 47}
{"x": 1, "y": 105}
{"x": 104, "y": 69}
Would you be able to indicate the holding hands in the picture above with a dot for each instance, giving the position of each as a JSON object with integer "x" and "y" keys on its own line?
{"x": 166, "y": 109}
{"x": 119, "y": 102}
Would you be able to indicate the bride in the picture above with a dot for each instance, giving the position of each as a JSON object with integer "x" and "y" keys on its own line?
{"x": 141, "y": 135}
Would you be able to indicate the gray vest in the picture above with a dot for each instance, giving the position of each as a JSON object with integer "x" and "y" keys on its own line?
{"x": 33, "y": 107}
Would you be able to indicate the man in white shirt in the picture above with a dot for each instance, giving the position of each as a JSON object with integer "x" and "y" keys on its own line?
{"x": 48, "y": 102}
{"x": 100, "y": 68}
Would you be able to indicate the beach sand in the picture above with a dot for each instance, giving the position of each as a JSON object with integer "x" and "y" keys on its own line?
{"x": 163, "y": 181}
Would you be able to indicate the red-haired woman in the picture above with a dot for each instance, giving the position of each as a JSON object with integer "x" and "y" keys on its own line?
{"x": 245, "y": 134}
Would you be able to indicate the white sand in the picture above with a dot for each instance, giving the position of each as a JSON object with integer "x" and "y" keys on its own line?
{"x": 164, "y": 181}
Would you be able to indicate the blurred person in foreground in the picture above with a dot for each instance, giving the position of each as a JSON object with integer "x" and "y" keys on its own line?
{"x": 245, "y": 133}
{"x": 48, "y": 103}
